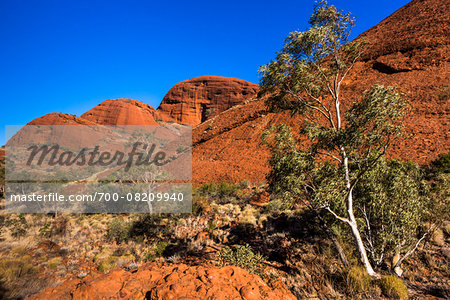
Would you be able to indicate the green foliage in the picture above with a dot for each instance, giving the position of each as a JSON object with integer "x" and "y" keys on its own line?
{"x": 243, "y": 257}
{"x": 118, "y": 231}
{"x": 108, "y": 264}
{"x": 46, "y": 230}
{"x": 180, "y": 149}
{"x": 18, "y": 225}
{"x": 160, "y": 247}
{"x": 220, "y": 191}
{"x": 54, "y": 262}
{"x": 300, "y": 71}
{"x": 438, "y": 174}
{"x": 392, "y": 204}
{"x": 200, "y": 204}
{"x": 393, "y": 287}
{"x": 244, "y": 184}
{"x": 156, "y": 251}
{"x": 441, "y": 165}
{"x": 358, "y": 281}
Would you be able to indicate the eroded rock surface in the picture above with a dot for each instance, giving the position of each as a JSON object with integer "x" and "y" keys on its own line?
{"x": 155, "y": 281}
{"x": 121, "y": 112}
{"x": 196, "y": 100}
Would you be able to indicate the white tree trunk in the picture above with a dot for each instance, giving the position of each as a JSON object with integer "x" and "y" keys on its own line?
{"x": 352, "y": 220}
{"x": 360, "y": 247}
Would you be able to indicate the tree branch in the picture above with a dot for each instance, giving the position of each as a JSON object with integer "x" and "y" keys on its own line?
{"x": 432, "y": 227}
{"x": 330, "y": 155}
{"x": 327, "y": 207}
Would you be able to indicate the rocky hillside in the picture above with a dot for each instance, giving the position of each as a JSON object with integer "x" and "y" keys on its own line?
{"x": 409, "y": 49}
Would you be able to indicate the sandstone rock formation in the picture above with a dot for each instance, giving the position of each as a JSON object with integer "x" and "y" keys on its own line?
{"x": 409, "y": 49}
{"x": 153, "y": 281}
{"x": 60, "y": 119}
{"x": 121, "y": 112}
{"x": 196, "y": 100}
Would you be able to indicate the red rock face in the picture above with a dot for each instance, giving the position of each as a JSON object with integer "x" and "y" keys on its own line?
{"x": 153, "y": 281}
{"x": 64, "y": 135}
{"x": 196, "y": 100}
{"x": 409, "y": 49}
{"x": 121, "y": 112}
{"x": 60, "y": 119}
{"x": 419, "y": 25}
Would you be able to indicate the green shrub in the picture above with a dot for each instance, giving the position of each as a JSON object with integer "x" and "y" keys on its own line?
{"x": 220, "y": 191}
{"x": 442, "y": 164}
{"x": 226, "y": 189}
{"x": 358, "y": 280}
{"x": 18, "y": 225}
{"x": 207, "y": 189}
{"x": 46, "y": 230}
{"x": 244, "y": 184}
{"x": 118, "y": 231}
{"x": 276, "y": 206}
{"x": 243, "y": 257}
{"x": 200, "y": 204}
{"x": 393, "y": 287}
{"x": 156, "y": 251}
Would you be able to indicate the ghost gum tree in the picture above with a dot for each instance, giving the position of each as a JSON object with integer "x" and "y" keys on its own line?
{"x": 344, "y": 146}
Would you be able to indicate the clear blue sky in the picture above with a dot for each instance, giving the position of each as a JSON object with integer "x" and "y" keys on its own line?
{"x": 69, "y": 55}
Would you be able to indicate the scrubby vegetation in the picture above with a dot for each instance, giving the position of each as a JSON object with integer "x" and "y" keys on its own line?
{"x": 229, "y": 225}
{"x": 242, "y": 256}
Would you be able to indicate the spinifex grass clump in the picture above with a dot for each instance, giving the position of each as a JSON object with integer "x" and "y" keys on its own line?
{"x": 393, "y": 287}
{"x": 243, "y": 257}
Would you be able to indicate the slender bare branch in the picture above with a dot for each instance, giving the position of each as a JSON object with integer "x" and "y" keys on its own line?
{"x": 330, "y": 155}
{"x": 407, "y": 254}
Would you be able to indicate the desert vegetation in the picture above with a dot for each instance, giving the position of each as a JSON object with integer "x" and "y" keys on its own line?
{"x": 231, "y": 224}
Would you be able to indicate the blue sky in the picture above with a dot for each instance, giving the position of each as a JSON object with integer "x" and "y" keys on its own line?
{"x": 68, "y": 56}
